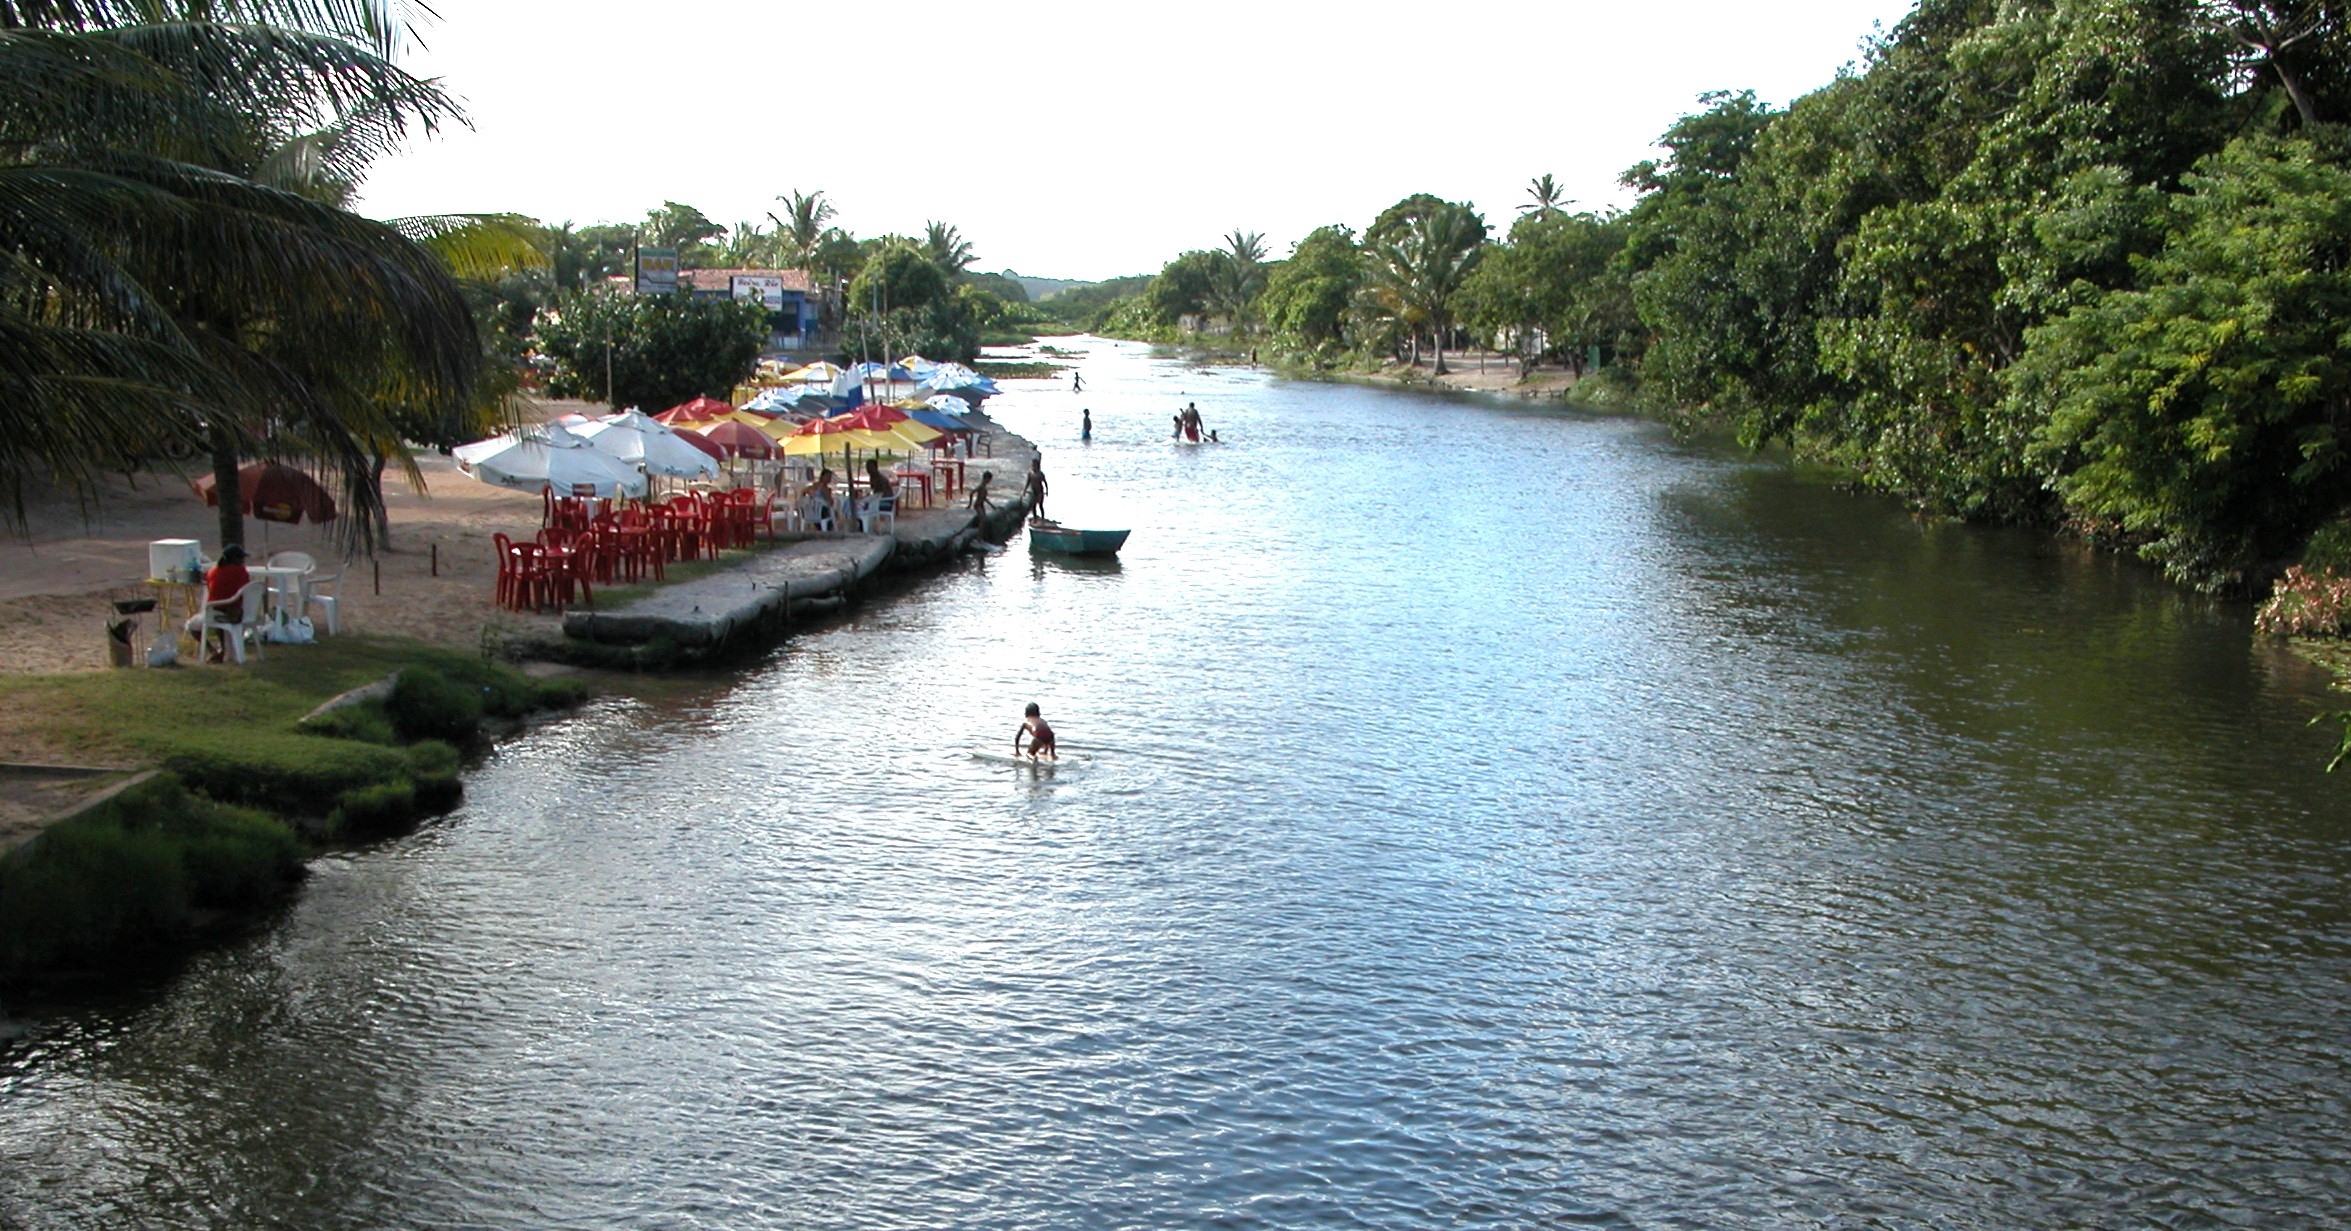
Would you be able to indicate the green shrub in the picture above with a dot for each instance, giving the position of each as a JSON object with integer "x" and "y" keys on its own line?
{"x": 2329, "y": 549}
{"x": 371, "y": 810}
{"x": 428, "y": 705}
{"x": 286, "y": 773}
{"x": 367, "y": 723}
{"x": 432, "y": 766}
{"x": 123, "y": 879}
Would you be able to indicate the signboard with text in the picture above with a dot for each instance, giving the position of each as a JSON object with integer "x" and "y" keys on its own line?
{"x": 767, "y": 289}
{"x": 657, "y": 271}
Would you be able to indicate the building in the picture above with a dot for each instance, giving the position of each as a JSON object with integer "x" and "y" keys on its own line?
{"x": 789, "y": 294}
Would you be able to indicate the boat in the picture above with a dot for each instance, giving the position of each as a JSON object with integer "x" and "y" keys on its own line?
{"x": 1053, "y": 536}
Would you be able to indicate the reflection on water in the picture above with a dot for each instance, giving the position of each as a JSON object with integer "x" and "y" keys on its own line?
{"x": 1476, "y": 816}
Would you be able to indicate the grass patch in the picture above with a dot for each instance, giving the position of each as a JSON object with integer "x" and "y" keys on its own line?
{"x": 1008, "y": 369}
{"x": 132, "y": 876}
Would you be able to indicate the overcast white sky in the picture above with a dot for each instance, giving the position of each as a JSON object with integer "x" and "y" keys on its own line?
{"x": 1080, "y": 140}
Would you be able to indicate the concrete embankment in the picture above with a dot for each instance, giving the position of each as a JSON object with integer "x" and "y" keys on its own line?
{"x": 760, "y": 598}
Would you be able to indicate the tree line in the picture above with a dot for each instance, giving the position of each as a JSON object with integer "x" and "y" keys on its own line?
{"x": 886, "y": 295}
{"x": 2078, "y": 262}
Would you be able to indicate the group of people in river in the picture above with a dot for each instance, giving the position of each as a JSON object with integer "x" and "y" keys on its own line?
{"x": 1187, "y": 424}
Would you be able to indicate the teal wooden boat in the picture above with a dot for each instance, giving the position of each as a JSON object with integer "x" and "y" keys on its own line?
{"x": 1053, "y": 536}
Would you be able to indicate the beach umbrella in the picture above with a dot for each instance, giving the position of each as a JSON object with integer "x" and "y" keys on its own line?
{"x": 634, "y": 436}
{"x": 895, "y": 422}
{"x": 771, "y": 400}
{"x": 947, "y": 402}
{"x": 818, "y": 373}
{"x": 739, "y": 440}
{"x": 535, "y": 459}
{"x": 273, "y": 491}
{"x": 937, "y": 418}
{"x": 695, "y": 410}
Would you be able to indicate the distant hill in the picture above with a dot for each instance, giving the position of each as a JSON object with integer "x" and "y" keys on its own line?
{"x": 1043, "y": 288}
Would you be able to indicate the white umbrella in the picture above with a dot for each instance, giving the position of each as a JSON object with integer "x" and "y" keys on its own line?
{"x": 633, "y": 436}
{"x": 536, "y": 459}
{"x": 948, "y": 402}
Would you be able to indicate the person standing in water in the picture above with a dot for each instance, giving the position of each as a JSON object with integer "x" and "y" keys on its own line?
{"x": 1077, "y": 383}
{"x": 1032, "y": 724}
{"x": 1037, "y": 487}
{"x": 1086, "y": 425}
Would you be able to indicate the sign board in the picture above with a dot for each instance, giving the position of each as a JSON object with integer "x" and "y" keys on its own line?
{"x": 768, "y": 289}
{"x": 657, "y": 271}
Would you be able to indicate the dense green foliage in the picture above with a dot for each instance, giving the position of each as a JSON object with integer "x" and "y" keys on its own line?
{"x": 661, "y": 349}
{"x": 2066, "y": 261}
{"x": 180, "y": 268}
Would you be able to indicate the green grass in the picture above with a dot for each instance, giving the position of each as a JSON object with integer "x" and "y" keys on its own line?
{"x": 213, "y": 834}
{"x": 133, "y": 876}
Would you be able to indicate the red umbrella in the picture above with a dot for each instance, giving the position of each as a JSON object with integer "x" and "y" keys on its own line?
{"x": 696, "y": 439}
{"x": 737, "y": 439}
{"x": 272, "y": 491}
{"x": 699, "y": 410}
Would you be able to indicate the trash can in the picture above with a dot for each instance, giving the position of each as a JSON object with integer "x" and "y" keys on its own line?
{"x": 122, "y": 632}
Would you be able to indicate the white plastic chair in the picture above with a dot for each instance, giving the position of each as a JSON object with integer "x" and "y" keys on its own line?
{"x": 232, "y": 633}
{"x": 312, "y": 598}
{"x": 875, "y": 509}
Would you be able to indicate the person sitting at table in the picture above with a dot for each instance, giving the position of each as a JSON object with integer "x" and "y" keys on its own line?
{"x": 224, "y": 592}
{"x": 817, "y": 507}
{"x": 877, "y": 481}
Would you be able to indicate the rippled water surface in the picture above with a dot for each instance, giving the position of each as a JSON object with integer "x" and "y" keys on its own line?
{"x": 1480, "y": 817}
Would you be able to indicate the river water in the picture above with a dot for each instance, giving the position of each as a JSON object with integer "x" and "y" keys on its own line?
{"x": 1476, "y": 816}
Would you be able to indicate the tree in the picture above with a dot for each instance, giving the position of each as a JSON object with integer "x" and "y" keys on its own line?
{"x": 803, "y": 226}
{"x": 1548, "y": 198}
{"x": 2205, "y": 412}
{"x": 1306, "y": 297}
{"x": 1238, "y": 277}
{"x": 1422, "y": 262}
{"x": 1186, "y": 286}
{"x": 948, "y": 250}
{"x": 659, "y": 349}
{"x": 178, "y": 269}
{"x": 1557, "y": 277}
{"x": 684, "y": 228}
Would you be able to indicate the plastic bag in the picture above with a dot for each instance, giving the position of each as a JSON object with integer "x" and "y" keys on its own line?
{"x": 165, "y": 652}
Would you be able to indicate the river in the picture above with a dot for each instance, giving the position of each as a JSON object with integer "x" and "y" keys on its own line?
{"x": 1475, "y": 816}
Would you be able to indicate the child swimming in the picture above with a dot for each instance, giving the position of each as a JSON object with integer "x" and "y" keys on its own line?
{"x": 1040, "y": 735}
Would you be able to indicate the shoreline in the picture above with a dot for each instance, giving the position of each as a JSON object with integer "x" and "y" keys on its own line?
{"x": 284, "y": 761}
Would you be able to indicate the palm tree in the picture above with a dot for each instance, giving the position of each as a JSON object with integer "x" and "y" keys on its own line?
{"x": 1240, "y": 276}
{"x": 802, "y": 225}
{"x": 1422, "y": 264}
{"x": 948, "y": 250}
{"x": 177, "y": 267}
{"x": 1549, "y": 198}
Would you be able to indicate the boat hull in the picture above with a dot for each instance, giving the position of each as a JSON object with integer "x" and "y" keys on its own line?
{"x": 1070, "y": 542}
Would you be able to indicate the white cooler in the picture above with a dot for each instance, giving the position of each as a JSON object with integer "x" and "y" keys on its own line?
{"x": 174, "y": 559}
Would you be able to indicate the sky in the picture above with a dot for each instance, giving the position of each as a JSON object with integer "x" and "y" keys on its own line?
{"x": 1079, "y": 140}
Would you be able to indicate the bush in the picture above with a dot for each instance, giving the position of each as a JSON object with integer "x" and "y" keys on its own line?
{"x": 2307, "y": 603}
{"x": 372, "y": 810}
{"x": 285, "y": 773}
{"x": 432, "y": 766}
{"x": 427, "y": 705}
{"x": 364, "y": 723}
{"x": 124, "y": 878}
